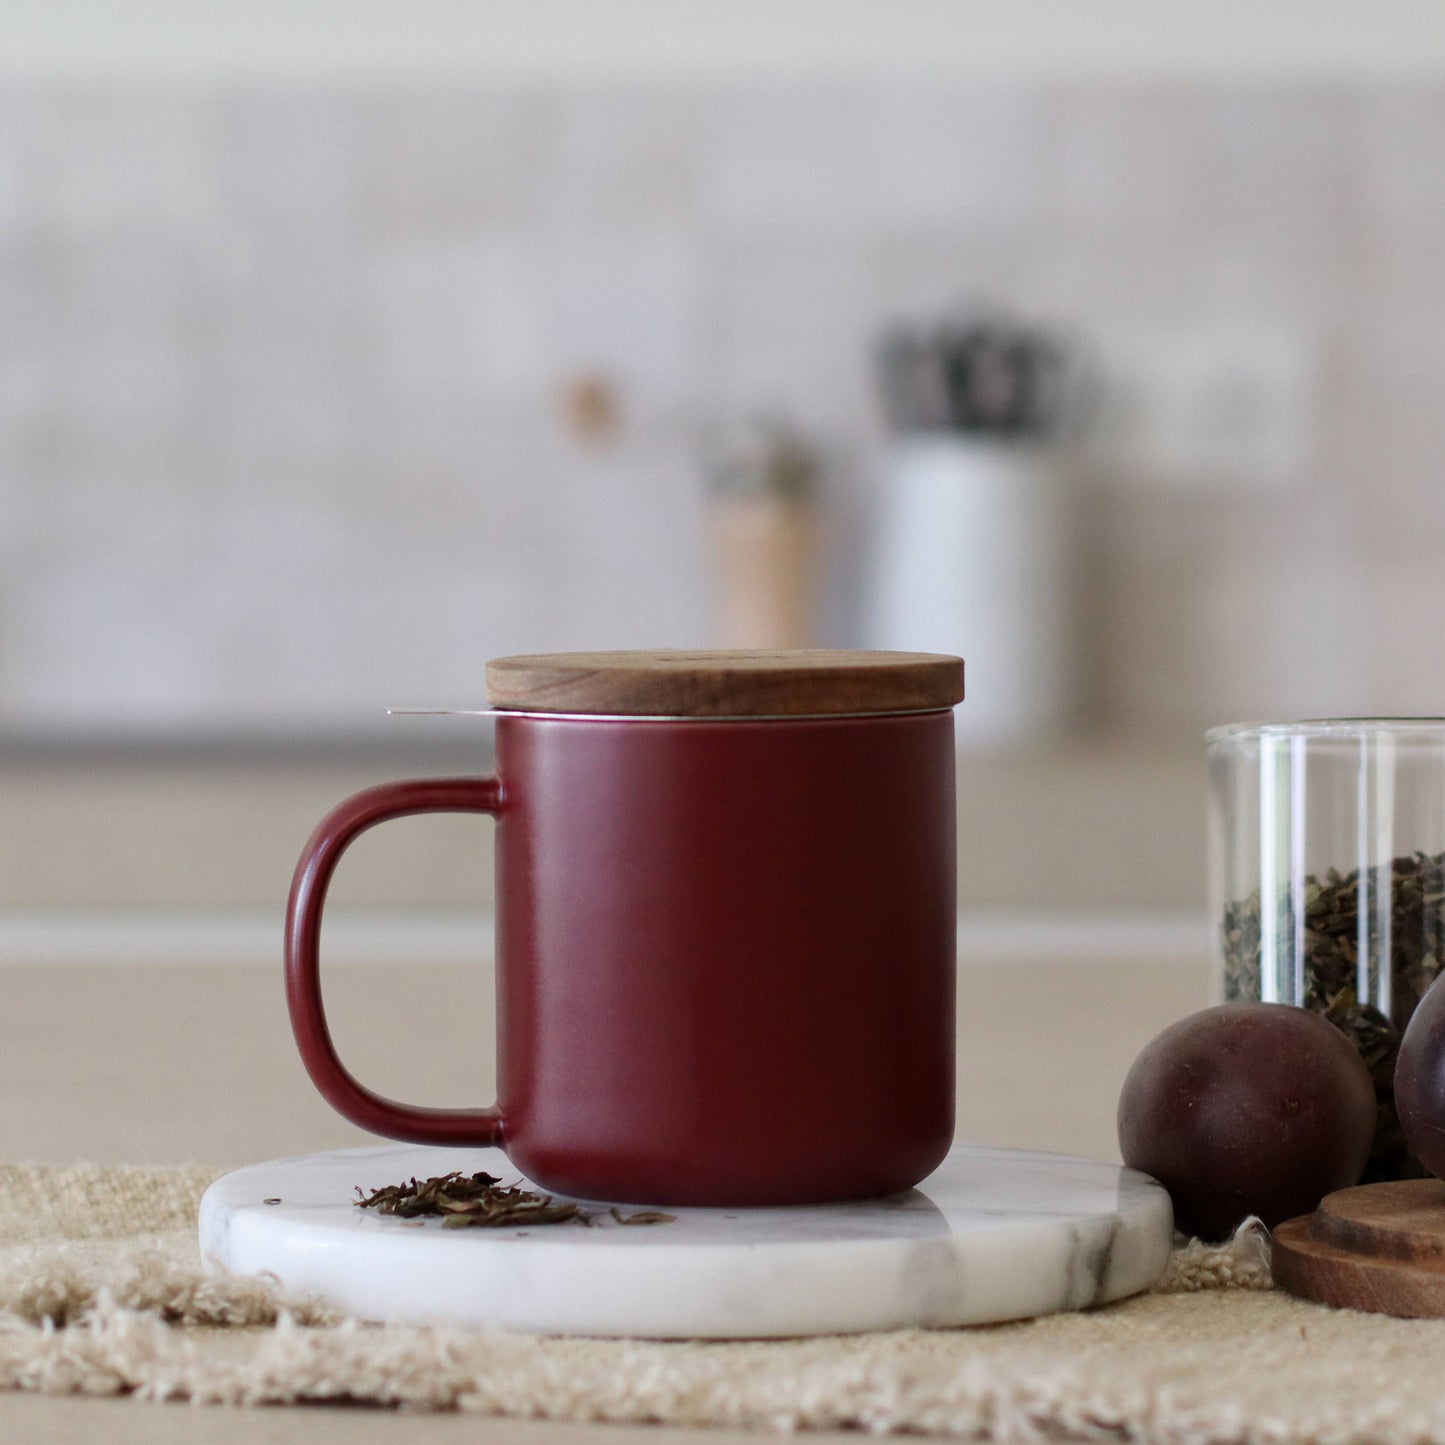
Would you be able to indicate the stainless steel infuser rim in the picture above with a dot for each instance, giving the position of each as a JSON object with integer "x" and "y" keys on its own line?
{"x": 657, "y": 717}
{"x": 1405, "y": 729}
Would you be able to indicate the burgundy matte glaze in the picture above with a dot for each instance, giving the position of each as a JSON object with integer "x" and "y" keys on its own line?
{"x": 725, "y": 956}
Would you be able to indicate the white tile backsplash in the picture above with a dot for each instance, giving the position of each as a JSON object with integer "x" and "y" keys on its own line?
{"x": 619, "y": 159}
{"x": 287, "y": 163}
{"x": 446, "y": 161}
{"x": 281, "y": 368}
{"x": 1396, "y": 152}
{"x": 15, "y": 199}
{"x": 781, "y": 159}
{"x": 92, "y": 160}
{"x": 1278, "y": 163}
{"x": 787, "y": 329}
{"x": 972, "y": 159}
{"x": 1132, "y": 160}
{"x": 625, "y": 304}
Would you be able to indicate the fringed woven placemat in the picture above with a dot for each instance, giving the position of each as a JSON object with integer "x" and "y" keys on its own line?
{"x": 101, "y": 1291}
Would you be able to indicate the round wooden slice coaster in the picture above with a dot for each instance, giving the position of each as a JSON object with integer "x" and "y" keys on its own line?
{"x": 1403, "y": 1220}
{"x": 1377, "y": 1247}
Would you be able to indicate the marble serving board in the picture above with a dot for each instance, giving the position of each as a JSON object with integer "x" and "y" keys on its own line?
{"x": 991, "y": 1235}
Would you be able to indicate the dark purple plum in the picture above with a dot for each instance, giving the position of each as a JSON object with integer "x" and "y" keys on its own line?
{"x": 1420, "y": 1081}
{"x": 1248, "y": 1108}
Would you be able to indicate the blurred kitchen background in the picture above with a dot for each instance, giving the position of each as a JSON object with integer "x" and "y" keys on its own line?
{"x": 331, "y": 366}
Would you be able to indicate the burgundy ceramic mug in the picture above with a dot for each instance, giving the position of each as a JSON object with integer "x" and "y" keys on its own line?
{"x": 725, "y": 926}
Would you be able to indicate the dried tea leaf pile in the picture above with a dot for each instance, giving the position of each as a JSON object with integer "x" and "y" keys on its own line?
{"x": 1406, "y": 935}
{"x": 482, "y": 1201}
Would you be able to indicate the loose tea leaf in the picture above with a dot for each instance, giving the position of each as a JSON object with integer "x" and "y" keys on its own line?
{"x": 1379, "y": 1043}
{"x": 1402, "y": 933}
{"x": 642, "y": 1216}
{"x": 412, "y": 1199}
{"x": 466, "y": 1201}
{"x": 518, "y": 1208}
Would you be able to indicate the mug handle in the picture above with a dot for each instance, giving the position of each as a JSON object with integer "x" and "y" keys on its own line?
{"x": 336, "y": 831}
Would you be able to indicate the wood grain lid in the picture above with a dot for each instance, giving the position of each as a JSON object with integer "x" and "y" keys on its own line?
{"x": 808, "y": 683}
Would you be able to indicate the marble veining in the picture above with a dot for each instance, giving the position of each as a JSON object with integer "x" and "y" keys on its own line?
{"x": 991, "y": 1235}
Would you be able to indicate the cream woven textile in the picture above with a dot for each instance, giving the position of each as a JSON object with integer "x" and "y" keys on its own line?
{"x": 101, "y": 1292}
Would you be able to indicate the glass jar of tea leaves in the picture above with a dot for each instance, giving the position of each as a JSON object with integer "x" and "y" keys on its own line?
{"x": 1327, "y": 880}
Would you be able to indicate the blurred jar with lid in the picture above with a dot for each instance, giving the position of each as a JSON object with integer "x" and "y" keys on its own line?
{"x": 974, "y": 537}
{"x": 761, "y": 475}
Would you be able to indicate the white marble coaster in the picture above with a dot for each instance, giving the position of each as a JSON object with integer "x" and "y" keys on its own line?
{"x": 991, "y": 1235}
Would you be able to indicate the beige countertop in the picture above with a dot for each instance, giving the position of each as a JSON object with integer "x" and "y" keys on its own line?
{"x": 166, "y": 1064}
{"x": 1091, "y": 827}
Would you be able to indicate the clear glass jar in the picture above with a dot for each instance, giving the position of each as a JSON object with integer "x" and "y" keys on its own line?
{"x": 1327, "y": 879}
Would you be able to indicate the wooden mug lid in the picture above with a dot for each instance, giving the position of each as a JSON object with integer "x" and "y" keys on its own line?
{"x": 805, "y": 683}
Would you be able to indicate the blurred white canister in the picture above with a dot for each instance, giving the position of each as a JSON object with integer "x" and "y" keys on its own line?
{"x": 974, "y": 557}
